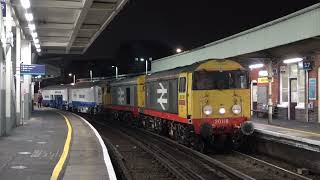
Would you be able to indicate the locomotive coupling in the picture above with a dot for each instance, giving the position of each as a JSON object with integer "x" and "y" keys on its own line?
{"x": 247, "y": 128}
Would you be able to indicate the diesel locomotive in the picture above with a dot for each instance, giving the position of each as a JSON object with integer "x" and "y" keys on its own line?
{"x": 206, "y": 103}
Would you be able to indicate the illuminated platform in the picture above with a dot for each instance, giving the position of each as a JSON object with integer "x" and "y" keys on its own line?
{"x": 294, "y": 133}
{"x": 54, "y": 145}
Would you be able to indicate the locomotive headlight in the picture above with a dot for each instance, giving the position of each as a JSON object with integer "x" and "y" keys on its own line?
{"x": 207, "y": 110}
{"x": 222, "y": 110}
{"x": 236, "y": 109}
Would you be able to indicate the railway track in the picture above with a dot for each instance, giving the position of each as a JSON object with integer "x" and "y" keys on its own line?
{"x": 256, "y": 168}
{"x": 184, "y": 163}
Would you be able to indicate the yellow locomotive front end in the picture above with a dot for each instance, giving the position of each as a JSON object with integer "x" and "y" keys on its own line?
{"x": 220, "y": 100}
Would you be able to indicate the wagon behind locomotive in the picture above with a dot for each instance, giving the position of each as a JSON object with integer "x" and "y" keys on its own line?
{"x": 86, "y": 97}
{"x": 56, "y": 96}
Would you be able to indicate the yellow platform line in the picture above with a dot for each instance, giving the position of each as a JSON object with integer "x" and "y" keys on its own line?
{"x": 58, "y": 168}
{"x": 294, "y": 130}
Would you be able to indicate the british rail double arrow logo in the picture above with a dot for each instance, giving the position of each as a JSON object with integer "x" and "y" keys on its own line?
{"x": 162, "y": 100}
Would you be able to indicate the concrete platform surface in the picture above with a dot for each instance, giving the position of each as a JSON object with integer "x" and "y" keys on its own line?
{"x": 86, "y": 160}
{"x": 34, "y": 150}
{"x": 31, "y": 151}
{"x": 302, "y": 134}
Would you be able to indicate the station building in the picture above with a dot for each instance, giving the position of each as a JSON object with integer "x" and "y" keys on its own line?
{"x": 292, "y": 83}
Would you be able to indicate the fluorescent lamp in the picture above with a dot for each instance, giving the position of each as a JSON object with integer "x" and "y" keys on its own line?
{"x": 38, "y": 50}
{"x": 292, "y": 60}
{"x": 34, "y": 34}
{"x": 256, "y": 66}
{"x": 25, "y": 3}
{"x": 263, "y": 73}
{"x": 37, "y": 46}
{"x": 29, "y": 16}
{"x": 32, "y": 27}
{"x": 36, "y": 41}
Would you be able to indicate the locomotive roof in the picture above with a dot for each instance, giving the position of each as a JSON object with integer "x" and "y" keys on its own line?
{"x": 130, "y": 80}
{"x": 174, "y": 73}
{"x": 56, "y": 87}
{"x": 87, "y": 84}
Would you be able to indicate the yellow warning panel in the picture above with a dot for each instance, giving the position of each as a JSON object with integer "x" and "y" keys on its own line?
{"x": 262, "y": 80}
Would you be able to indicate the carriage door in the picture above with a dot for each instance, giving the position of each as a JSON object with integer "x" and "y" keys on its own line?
{"x": 182, "y": 95}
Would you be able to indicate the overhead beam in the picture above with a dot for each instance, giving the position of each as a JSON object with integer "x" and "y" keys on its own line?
{"x": 100, "y": 6}
{"x": 65, "y": 26}
{"x": 55, "y": 4}
{"x": 119, "y": 5}
{"x": 54, "y": 51}
{"x": 54, "y": 44}
{"x": 53, "y": 39}
{"x": 79, "y": 21}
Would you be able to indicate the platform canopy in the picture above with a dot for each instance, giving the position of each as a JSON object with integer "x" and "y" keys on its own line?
{"x": 66, "y": 26}
{"x": 297, "y": 34}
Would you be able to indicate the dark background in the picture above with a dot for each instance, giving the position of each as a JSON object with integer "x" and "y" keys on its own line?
{"x": 155, "y": 28}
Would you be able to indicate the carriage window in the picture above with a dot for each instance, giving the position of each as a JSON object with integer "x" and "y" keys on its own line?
{"x": 81, "y": 96}
{"x": 182, "y": 84}
{"x": 128, "y": 95}
{"x": 204, "y": 80}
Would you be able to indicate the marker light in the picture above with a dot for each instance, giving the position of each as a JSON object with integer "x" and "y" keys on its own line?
{"x": 25, "y": 3}
{"x": 293, "y": 60}
{"x": 256, "y": 66}
{"x": 207, "y": 110}
{"x": 236, "y": 109}
{"x": 29, "y": 16}
{"x": 222, "y": 110}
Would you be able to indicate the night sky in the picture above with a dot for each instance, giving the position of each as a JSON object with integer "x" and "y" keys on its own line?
{"x": 155, "y": 28}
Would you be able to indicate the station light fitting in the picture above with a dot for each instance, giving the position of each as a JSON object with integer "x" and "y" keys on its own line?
{"x": 141, "y": 59}
{"x": 113, "y": 66}
{"x": 37, "y": 46}
{"x": 256, "y": 66}
{"x": 292, "y": 60}
{"x": 38, "y": 50}
{"x": 34, "y": 34}
{"x": 25, "y": 3}
{"x": 70, "y": 74}
{"x": 29, "y": 16}
{"x": 263, "y": 73}
{"x": 178, "y": 50}
{"x": 36, "y": 41}
{"x": 32, "y": 27}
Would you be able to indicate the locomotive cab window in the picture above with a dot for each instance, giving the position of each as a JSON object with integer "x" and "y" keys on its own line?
{"x": 235, "y": 79}
{"x": 182, "y": 84}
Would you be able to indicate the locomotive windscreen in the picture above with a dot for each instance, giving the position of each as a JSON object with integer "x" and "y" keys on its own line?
{"x": 206, "y": 80}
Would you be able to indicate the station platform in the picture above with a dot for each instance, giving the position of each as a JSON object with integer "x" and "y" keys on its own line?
{"x": 295, "y": 133}
{"x": 54, "y": 145}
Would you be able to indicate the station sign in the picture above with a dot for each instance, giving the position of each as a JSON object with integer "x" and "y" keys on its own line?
{"x": 306, "y": 65}
{"x": 32, "y": 69}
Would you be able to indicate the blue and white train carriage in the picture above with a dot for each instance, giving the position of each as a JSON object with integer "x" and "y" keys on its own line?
{"x": 56, "y": 96}
{"x": 86, "y": 97}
